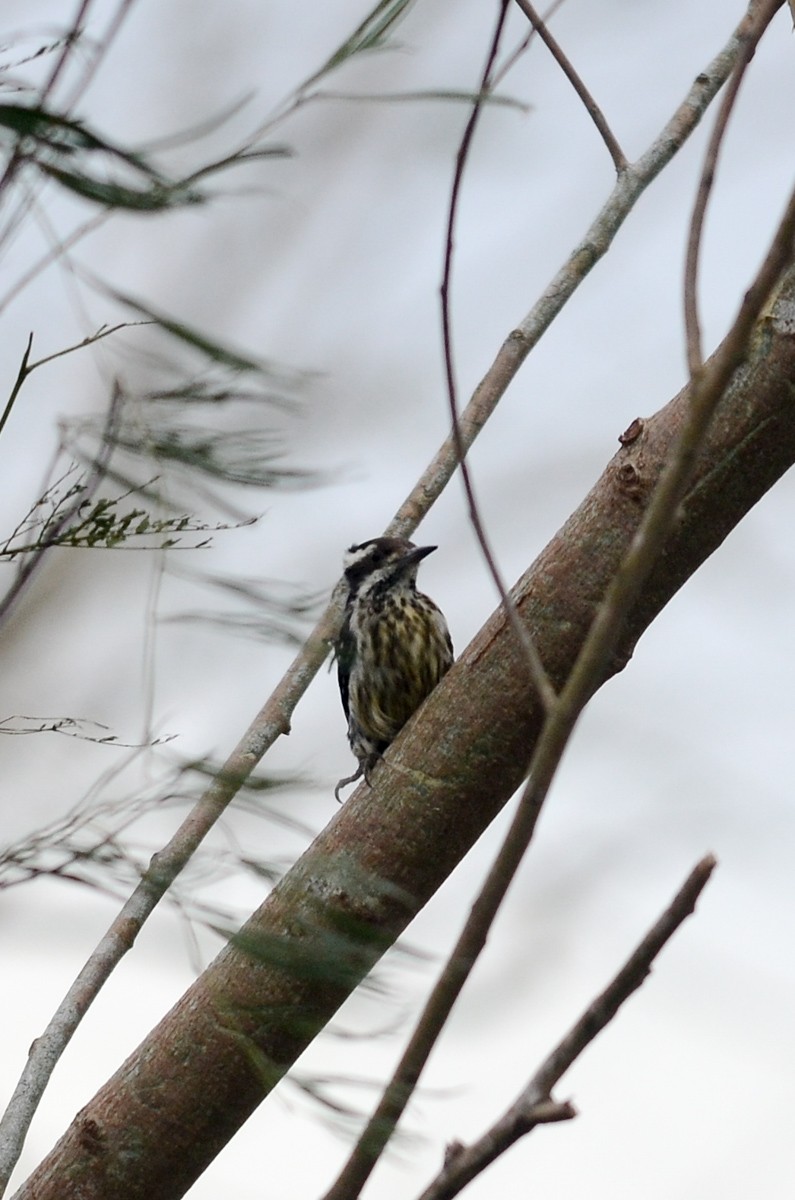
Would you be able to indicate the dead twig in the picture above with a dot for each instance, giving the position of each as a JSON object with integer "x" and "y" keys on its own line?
{"x": 591, "y": 107}
{"x": 535, "y": 1105}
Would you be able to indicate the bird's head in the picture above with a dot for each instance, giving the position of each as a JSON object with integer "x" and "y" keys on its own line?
{"x": 384, "y": 563}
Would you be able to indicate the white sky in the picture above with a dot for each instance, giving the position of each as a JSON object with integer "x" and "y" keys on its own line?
{"x": 330, "y": 261}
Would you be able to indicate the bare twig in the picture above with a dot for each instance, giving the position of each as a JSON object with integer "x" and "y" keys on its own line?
{"x": 537, "y": 672}
{"x": 591, "y": 107}
{"x": 516, "y": 54}
{"x": 274, "y": 718}
{"x": 101, "y": 49}
{"x": 51, "y": 255}
{"x": 26, "y": 367}
{"x": 695, "y": 355}
{"x": 71, "y": 39}
{"x": 24, "y": 370}
{"x": 535, "y": 1105}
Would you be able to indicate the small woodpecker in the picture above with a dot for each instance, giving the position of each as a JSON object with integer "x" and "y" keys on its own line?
{"x": 393, "y": 648}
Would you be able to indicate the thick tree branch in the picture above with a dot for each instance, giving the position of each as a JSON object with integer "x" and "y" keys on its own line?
{"x": 599, "y": 645}
{"x": 166, "y": 1113}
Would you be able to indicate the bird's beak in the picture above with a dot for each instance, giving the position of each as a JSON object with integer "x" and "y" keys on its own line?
{"x": 417, "y": 554}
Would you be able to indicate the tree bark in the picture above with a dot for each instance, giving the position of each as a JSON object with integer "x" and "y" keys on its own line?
{"x": 154, "y": 1127}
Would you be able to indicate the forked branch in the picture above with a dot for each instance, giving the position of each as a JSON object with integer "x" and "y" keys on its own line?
{"x": 535, "y": 1105}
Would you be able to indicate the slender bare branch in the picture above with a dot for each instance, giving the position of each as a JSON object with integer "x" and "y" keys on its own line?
{"x": 51, "y": 255}
{"x": 100, "y": 51}
{"x": 591, "y": 107}
{"x": 516, "y": 54}
{"x": 22, "y": 374}
{"x": 75, "y": 31}
{"x": 537, "y": 672}
{"x": 535, "y": 1105}
{"x": 695, "y": 356}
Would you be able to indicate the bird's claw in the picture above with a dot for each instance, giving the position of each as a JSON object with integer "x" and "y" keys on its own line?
{"x": 365, "y": 769}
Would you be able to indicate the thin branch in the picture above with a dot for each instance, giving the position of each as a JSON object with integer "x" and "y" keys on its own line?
{"x": 274, "y": 718}
{"x": 535, "y": 1105}
{"x": 109, "y": 36}
{"x": 26, "y": 367}
{"x": 22, "y": 374}
{"x": 537, "y": 672}
{"x": 592, "y": 108}
{"x": 103, "y": 332}
{"x": 516, "y": 54}
{"x": 75, "y": 31}
{"x": 695, "y": 356}
{"x": 52, "y": 254}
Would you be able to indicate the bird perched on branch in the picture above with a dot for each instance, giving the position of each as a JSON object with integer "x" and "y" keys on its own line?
{"x": 393, "y": 648}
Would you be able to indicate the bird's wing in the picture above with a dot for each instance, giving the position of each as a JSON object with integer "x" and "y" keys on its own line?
{"x": 346, "y": 652}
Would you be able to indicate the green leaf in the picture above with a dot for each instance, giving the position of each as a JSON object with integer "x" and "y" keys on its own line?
{"x": 158, "y": 197}
{"x": 447, "y": 94}
{"x": 64, "y": 136}
{"x": 25, "y": 121}
{"x": 370, "y": 35}
{"x": 193, "y": 337}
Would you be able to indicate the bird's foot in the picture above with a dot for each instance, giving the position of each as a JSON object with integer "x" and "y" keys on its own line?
{"x": 365, "y": 769}
{"x": 350, "y": 779}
